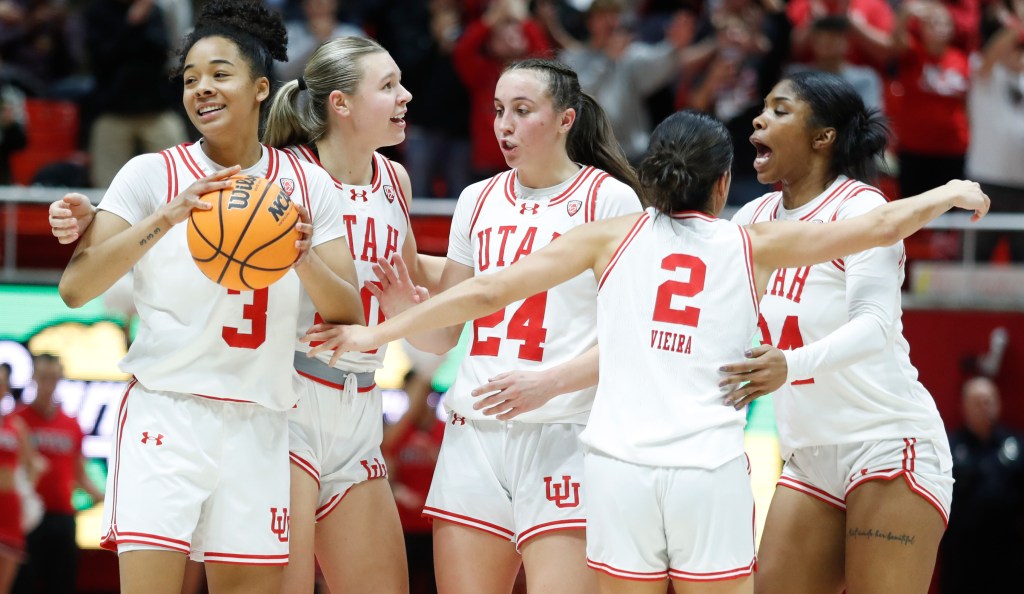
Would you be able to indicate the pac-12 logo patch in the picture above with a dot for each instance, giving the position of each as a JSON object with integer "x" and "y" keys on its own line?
{"x": 389, "y": 193}
{"x": 574, "y": 206}
{"x": 287, "y": 185}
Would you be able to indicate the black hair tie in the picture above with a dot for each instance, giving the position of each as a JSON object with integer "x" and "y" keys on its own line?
{"x": 302, "y": 84}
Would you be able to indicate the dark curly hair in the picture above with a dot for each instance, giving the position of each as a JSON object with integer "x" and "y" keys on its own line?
{"x": 258, "y": 32}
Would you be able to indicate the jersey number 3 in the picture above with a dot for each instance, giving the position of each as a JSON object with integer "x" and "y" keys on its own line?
{"x": 256, "y": 313}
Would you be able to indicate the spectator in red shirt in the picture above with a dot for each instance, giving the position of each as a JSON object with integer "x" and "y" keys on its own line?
{"x": 930, "y": 117}
{"x": 52, "y": 550}
{"x": 504, "y": 33}
{"x": 871, "y": 25}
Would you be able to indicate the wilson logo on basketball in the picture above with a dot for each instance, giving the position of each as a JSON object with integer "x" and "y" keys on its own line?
{"x": 280, "y": 523}
{"x": 158, "y": 438}
{"x": 574, "y": 206}
{"x": 239, "y": 197}
{"x": 389, "y": 193}
{"x": 564, "y": 494}
{"x": 287, "y": 185}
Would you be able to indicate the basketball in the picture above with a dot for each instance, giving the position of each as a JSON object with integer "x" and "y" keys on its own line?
{"x": 247, "y": 240}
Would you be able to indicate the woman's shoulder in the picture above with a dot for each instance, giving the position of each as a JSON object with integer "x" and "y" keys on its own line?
{"x": 860, "y": 198}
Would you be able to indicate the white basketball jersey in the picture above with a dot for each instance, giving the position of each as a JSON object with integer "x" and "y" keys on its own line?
{"x": 376, "y": 224}
{"x": 676, "y": 302}
{"x": 195, "y": 336}
{"x": 875, "y": 398}
{"x": 497, "y": 222}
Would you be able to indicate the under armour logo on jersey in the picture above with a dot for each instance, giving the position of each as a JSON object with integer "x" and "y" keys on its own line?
{"x": 564, "y": 494}
{"x": 287, "y": 185}
{"x": 573, "y": 207}
{"x": 158, "y": 438}
{"x": 528, "y": 208}
{"x": 457, "y": 419}
{"x": 389, "y": 193}
{"x": 280, "y": 523}
{"x": 358, "y": 194}
{"x": 376, "y": 470}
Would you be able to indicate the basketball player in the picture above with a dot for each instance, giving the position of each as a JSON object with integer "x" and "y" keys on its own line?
{"x": 199, "y": 463}
{"x": 851, "y": 415}
{"x": 678, "y": 296}
{"x": 336, "y": 429}
{"x": 506, "y": 494}
{"x": 348, "y": 103}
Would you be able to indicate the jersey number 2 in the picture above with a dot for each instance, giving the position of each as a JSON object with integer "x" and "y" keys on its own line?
{"x": 663, "y": 310}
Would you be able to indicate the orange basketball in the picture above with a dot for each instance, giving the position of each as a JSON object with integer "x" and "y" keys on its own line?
{"x": 247, "y": 240}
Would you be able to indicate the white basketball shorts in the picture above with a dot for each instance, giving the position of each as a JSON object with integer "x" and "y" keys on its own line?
{"x": 335, "y": 436}
{"x": 649, "y": 523}
{"x": 514, "y": 480}
{"x": 205, "y": 477}
{"x": 831, "y": 472}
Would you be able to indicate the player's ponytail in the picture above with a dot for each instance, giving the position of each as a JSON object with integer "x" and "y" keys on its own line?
{"x": 299, "y": 112}
{"x": 284, "y": 120}
{"x": 591, "y": 140}
{"x": 689, "y": 152}
{"x": 861, "y": 133}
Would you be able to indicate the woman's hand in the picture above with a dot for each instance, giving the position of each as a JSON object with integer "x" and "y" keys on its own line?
{"x": 514, "y": 393}
{"x": 968, "y": 196}
{"x": 178, "y": 209}
{"x": 395, "y": 290}
{"x": 339, "y": 338}
{"x": 762, "y": 373}
{"x": 70, "y": 217}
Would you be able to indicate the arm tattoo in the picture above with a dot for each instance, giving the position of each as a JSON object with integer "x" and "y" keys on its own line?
{"x": 151, "y": 237}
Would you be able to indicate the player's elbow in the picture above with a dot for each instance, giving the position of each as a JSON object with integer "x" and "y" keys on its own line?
{"x": 71, "y": 292}
{"x": 72, "y": 299}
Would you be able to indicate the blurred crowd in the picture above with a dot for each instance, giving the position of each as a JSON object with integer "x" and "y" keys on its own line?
{"x": 949, "y": 75}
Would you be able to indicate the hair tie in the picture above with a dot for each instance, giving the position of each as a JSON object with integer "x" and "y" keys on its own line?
{"x": 302, "y": 84}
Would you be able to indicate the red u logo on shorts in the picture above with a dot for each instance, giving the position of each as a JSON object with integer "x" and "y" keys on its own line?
{"x": 560, "y": 492}
{"x": 279, "y": 523}
{"x": 457, "y": 419}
